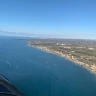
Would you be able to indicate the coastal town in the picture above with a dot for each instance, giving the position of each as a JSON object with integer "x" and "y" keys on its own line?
{"x": 82, "y": 52}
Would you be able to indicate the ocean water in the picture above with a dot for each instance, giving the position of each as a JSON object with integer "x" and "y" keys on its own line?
{"x": 38, "y": 73}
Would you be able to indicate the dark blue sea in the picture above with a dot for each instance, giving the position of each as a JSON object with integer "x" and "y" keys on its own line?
{"x": 38, "y": 73}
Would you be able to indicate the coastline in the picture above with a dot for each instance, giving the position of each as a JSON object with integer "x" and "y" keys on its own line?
{"x": 45, "y": 49}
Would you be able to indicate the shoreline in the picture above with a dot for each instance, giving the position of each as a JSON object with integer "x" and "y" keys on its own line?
{"x": 45, "y": 49}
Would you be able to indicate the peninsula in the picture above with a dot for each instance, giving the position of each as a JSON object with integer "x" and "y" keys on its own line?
{"x": 81, "y": 52}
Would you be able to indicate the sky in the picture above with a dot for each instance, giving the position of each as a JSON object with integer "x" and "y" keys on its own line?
{"x": 74, "y": 19}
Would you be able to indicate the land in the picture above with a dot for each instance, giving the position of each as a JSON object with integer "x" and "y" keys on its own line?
{"x": 82, "y": 52}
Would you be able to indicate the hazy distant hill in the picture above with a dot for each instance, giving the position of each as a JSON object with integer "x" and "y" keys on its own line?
{"x": 5, "y": 33}
{"x": 25, "y": 34}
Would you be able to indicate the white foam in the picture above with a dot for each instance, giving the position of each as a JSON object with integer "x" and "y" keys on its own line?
{"x": 8, "y": 63}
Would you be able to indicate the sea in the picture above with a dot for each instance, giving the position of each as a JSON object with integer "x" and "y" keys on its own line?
{"x": 38, "y": 73}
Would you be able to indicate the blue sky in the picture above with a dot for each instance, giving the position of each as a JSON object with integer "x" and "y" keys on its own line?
{"x": 50, "y": 18}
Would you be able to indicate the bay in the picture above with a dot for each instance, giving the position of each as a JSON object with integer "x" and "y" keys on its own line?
{"x": 38, "y": 73}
